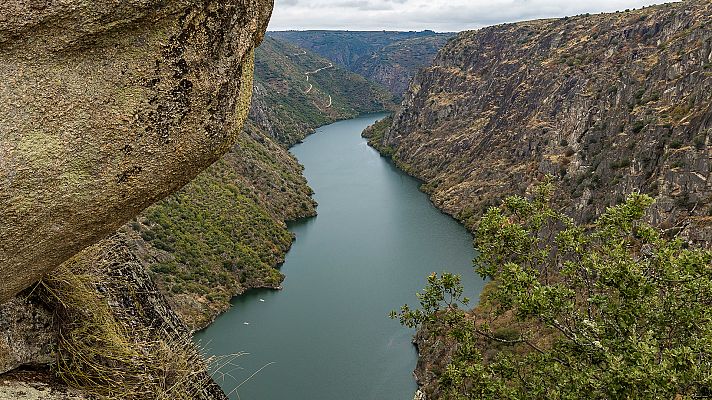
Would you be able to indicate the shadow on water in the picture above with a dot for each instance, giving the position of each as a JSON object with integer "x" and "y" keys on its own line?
{"x": 301, "y": 222}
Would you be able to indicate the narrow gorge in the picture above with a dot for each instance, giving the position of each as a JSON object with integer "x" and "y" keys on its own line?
{"x": 607, "y": 105}
{"x": 162, "y": 164}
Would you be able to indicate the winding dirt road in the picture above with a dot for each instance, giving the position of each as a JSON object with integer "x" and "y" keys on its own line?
{"x": 316, "y": 71}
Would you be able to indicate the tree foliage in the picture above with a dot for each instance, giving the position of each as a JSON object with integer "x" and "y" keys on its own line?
{"x": 624, "y": 312}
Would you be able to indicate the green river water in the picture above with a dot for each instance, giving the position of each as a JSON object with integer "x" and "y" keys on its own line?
{"x": 326, "y": 335}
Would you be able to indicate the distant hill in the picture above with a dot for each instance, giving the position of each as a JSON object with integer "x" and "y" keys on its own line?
{"x": 288, "y": 106}
{"x": 388, "y": 58}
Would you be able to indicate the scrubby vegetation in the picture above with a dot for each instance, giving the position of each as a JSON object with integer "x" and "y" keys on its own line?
{"x": 218, "y": 234}
{"x": 292, "y": 106}
{"x": 613, "y": 310}
{"x": 223, "y": 232}
{"x": 375, "y": 133}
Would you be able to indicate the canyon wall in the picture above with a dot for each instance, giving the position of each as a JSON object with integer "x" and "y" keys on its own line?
{"x": 608, "y": 104}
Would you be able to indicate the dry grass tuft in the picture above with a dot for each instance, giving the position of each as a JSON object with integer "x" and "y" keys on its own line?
{"x": 116, "y": 358}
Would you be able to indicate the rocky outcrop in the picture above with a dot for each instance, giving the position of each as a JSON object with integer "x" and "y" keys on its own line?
{"x": 105, "y": 311}
{"x": 609, "y": 104}
{"x": 108, "y": 107}
{"x": 250, "y": 192}
{"x": 27, "y": 336}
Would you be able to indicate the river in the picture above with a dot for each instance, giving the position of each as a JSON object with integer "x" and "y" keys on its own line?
{"x": 326, "y": 335}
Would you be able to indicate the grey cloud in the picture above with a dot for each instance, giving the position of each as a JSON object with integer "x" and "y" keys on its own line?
{"x": 439, "y": 15}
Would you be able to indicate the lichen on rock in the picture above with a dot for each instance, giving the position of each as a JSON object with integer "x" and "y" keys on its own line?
{"x": 107, "y": 107}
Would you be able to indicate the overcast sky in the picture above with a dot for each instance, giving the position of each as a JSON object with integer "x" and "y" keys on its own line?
{"x": 438, "y": 15}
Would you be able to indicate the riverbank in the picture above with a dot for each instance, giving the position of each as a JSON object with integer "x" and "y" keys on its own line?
{"x": 224, "y": 232}
{"x": 434, "y": 351}
{"x": 326, "y": 335}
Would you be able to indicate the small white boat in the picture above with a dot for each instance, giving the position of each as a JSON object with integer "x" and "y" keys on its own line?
{"x": 245, "y": 323}
{"x": 262, "y": 300}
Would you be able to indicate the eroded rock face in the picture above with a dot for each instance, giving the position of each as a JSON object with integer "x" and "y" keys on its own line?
{"x": 32, "y": 324}
{"x": 27, "y": 336}
{"x": 609, "y": 104}
{"x": 107, "y": 107}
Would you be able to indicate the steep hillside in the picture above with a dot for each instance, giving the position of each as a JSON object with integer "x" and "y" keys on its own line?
{"x": 609, "y": 104}
{"x": 388, "y": 58}
{"x": 296, "y": 91}
{"x": 395, "y": 64}
{"x": 224, "y": 232}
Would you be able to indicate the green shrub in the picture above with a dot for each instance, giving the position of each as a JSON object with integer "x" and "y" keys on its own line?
{"x": 624, "y": 311}
{"x": 624, "y": 163}
{"x": 699, "y": 142}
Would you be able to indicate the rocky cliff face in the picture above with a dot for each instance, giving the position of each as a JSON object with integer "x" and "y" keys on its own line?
{"x": 609, "y": 104}
{"x": 101, "y": 314}
{"x": 395, "y": 65}
{"x": 108, "y": 107}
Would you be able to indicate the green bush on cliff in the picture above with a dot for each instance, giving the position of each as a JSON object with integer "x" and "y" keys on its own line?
{"x": 212, "y": 228}
{"x": 376, "y": 134}
{"x": 613, "y": 311}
